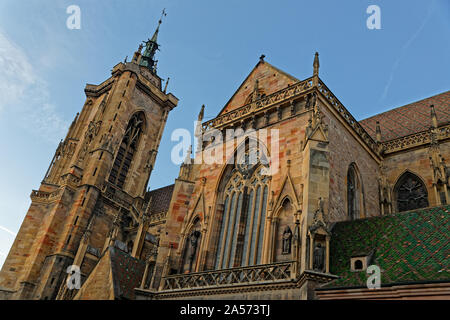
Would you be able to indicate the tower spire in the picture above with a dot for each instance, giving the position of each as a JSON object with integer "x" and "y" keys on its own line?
{"x": 151, "y": 46}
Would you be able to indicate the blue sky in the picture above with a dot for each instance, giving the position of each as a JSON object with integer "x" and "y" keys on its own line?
{"x": 207, "y": 49}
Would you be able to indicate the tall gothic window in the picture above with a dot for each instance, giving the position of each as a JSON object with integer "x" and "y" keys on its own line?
{"x": 127, "y": 150}
{"x": 241, "y": 227}
{"x": 354, "y": 193}
{"x": 410, "y": 193}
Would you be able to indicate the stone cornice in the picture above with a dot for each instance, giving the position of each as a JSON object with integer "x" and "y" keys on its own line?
{"x": 166, "y": 100}
{"x": 95, "y": 91}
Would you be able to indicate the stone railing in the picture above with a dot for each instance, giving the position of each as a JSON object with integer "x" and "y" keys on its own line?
{"x": 70, "y": 180}
{"x": 39, "y": 195}
{"x": 156, "y": 218}
{"x": 416, "y": 139}
{"x": 407, "y": 142}
{"x": 44, "y": 195}
{"x": 351, "y": 121}
{"x": 267, "y": 273}
{"x": 114, "y": 194}
{"x": 263, "y": 103}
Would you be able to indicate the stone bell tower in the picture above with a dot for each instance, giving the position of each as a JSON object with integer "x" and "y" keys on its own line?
{"x": 98, "y": 177}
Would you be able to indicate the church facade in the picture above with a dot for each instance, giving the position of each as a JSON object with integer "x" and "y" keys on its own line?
{"x": 285, "y": 196}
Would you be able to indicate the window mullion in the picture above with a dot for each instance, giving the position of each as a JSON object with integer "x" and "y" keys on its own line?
{"x": 235, "y": 233}
{"x": 221, "y": 231}
{"x": 231, "y": 228}
{"x": 226, "y": 215}
{"x": 258, "y": 226}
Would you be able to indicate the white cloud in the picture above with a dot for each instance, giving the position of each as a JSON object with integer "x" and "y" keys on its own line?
{"x": 404, "y": 50}
{"x": 22, "y": 91}
{"x": 7, "y": 230}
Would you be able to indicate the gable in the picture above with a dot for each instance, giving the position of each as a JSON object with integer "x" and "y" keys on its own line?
{"x": 99, "y": 284}
{"x": 114, "y": 277}
{"x": 270, "y": 80}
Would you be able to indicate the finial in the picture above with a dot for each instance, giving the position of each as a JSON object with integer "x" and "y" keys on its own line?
{"x": 378, "y": 132}
{"x": 201, "y": 114}
{"x": 261, "y": 58}
{"x": 167, "y": 83}
{"x": 434, "y": 121}
{"x": 316, "y": 64}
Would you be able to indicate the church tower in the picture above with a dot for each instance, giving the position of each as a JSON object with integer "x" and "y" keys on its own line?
{"x": 94, "y": 192}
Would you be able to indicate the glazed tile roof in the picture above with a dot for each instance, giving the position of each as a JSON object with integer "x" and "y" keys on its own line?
{"x": 409, "y": 119}
{"x": 160, "y": 199}
{"x": 127, "y": 273}
{"x": 408, "y": 247}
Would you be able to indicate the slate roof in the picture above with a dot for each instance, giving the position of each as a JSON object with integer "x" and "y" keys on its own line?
{"x": 127, "y": 273}
{"x": 409, "y": 247}
{"x": 409, "y": 119}
{"x": 160, "y": 199}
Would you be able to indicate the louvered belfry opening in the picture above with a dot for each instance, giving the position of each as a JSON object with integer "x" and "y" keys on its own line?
{"x": 127, "y": 149}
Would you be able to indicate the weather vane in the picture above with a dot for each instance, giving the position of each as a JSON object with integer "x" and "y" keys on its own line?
{"x": 163, "y": 14}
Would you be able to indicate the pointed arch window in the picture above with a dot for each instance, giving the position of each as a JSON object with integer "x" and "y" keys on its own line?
{"x": 241, "y": 229}
{"x": 355, "y": 195}
{"x": 127, "y": 149}
{"x": 410, "y": 193}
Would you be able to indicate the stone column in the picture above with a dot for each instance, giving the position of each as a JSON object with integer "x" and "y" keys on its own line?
{"x": 311, "y": 251}
{"x": 144, "y": 277}
{"x": 436, "y": 194}
{"x": 327, "y": 255}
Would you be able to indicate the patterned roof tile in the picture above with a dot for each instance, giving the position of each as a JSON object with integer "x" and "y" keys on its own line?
{"x": 127, "y": 273}
{"x": 408, "y": 247}
{"x": 160, "y": 199}
{"x": 409, "y": 119}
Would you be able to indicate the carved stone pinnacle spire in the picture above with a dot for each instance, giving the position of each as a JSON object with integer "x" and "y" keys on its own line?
{"x": 434, "y": 122}
{"x": 316, "y": 64}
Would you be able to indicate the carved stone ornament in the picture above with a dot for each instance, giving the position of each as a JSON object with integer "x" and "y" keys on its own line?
{"x": 287, "y": 240}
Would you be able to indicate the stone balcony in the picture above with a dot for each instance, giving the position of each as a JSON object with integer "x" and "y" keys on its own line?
{"x": 261, "y": 274}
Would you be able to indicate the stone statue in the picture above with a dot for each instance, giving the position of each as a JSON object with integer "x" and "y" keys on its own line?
{"x": 319, "y": 213}
{"x": 287, "y": 240}
{"x": 193, "y": 243}
{"x": 319, "y": 258}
